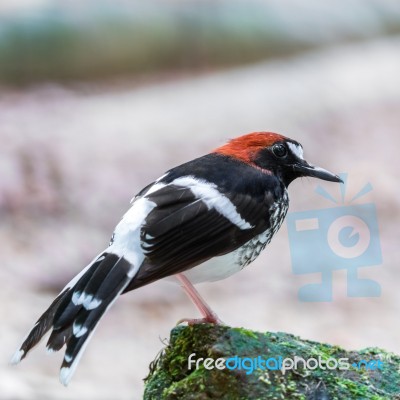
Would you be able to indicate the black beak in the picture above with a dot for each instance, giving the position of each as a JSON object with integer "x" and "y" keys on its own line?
{"x": 306, "y": 169}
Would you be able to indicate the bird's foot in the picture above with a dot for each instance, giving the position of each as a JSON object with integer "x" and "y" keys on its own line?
{"x": 209, "y": 319}
{"x": 209, "y": 315}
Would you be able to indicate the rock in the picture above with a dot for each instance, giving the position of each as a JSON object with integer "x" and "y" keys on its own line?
{"x": 170, "y": 377}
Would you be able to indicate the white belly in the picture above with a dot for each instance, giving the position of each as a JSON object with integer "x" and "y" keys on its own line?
{"x": 215, "y": 269}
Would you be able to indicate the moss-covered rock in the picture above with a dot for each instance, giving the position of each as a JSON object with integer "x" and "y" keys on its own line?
{"x": 171, "y": 378}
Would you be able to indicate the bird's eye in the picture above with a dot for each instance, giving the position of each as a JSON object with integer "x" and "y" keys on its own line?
{"x": 279, "y": 150}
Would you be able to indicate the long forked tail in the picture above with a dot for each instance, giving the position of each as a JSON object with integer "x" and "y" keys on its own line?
{"x": 75, "y": 312}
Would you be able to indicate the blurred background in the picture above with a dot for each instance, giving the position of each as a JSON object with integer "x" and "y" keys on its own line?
{"x": 99, "y": 98}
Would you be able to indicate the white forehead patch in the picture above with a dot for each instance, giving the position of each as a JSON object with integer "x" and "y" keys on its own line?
{"x": 296, "y": 149}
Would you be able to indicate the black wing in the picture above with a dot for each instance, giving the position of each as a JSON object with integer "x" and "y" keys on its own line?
{"x": 182, "y": 231}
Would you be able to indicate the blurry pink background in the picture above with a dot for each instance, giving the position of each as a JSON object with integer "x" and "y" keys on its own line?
{"x": 74, "y": 151}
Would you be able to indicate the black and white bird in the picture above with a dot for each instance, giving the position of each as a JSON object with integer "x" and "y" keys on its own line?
{"x": 201, "y": 221}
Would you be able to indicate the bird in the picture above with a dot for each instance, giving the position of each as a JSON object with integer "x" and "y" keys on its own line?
{"x": 201, "y": 221}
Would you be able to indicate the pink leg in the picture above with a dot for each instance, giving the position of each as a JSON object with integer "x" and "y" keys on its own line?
{"x": 205, "y": 310}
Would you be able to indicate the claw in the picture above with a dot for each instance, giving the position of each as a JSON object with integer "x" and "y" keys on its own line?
{"x": 210, "y": 319}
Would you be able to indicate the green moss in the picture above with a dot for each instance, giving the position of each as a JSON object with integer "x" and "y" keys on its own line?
{"x": 171, "y": 377}
{"x": 246, "y": 332}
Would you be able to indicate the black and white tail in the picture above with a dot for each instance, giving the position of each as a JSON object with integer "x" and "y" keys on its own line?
{"x": 75, "y": 312}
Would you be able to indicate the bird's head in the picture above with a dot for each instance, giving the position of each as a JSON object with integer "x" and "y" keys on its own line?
{"x": 274, "y": 154}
